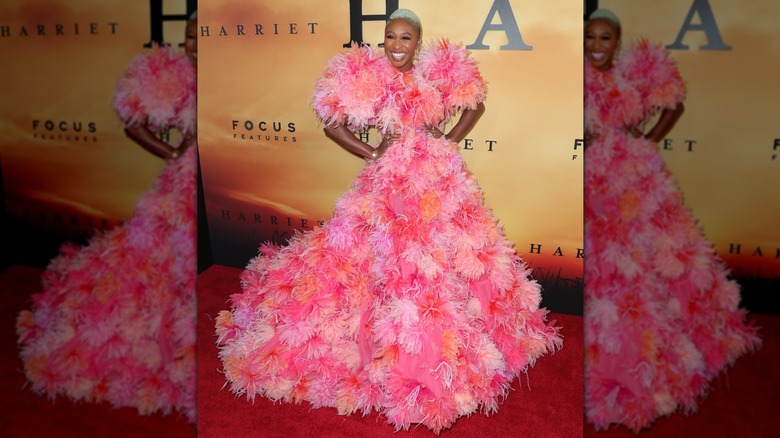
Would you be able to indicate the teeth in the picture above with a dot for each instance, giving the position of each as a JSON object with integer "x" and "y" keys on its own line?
{"x": 397, "y": 56}
{"x": 597, "y": 56}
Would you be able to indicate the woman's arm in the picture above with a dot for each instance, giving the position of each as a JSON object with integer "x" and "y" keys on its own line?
{"x": 347, "y": 140}
{"x": 666, "y": 122}
{"x": 146, "y": 138}
{"x": 468, "y": 119}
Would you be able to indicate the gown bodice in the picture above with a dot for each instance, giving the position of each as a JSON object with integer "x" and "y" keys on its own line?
{"x": 643, "y": 80}
{"x": 360, "y": 88}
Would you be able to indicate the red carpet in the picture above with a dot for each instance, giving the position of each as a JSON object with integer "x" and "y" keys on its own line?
{"x": 25, "y": 414}
{"x": 741, "y": 403}
{"x": 552, "y": 407}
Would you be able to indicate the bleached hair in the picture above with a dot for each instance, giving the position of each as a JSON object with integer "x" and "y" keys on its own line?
{"x": 408, "y": 15}
{"x": 606, "y": 14}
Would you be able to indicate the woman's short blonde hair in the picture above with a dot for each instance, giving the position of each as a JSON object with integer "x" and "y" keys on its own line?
{"x": 606, "y": 14}
{"x": 408, "y": 15}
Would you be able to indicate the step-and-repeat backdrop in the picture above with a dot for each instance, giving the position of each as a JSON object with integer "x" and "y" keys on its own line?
{"x": 269, "y": 170}
{"x": 68, "y": 169}
{"x": 725, "y": 150}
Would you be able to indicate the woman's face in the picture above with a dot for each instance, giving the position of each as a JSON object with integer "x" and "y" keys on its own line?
{"x": 401, "y": 41}
{"x": 191, "y": 42}
{"x": 601, "y": 43}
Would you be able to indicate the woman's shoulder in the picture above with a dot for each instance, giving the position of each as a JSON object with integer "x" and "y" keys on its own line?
{"x": 157, "y": 84}
{"x": 442, "y": 57}
{"x": 652, "y": 70}
{"x": 356, "y": 59}
{"x": 642, "y": 58}
{"x": 353, "y": 81}
{"x": 445, "y": 62}
{"x": 157, "y": 59}
{"x": 442, "y": 46}
{"x": 452, "y": 69}
{"x": 158, "y": 69}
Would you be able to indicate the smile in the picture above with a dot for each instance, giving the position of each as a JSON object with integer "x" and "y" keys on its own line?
{"x": 397, "y": 56}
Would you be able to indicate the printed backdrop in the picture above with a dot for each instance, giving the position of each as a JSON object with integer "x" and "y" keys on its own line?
{"x": 725, "y": 150}
{"x": 67, "y": 166}
{"x": 268, "y": 169}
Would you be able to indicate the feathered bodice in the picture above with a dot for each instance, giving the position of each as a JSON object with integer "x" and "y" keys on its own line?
{"x": 360, "y": 88}
{"x": 158, "y": 89}
{"x": 643, "y": 80}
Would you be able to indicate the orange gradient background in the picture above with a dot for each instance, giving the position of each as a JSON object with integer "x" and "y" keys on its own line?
{"x": 532, "y": 179}
{"x": 71, "y": 78}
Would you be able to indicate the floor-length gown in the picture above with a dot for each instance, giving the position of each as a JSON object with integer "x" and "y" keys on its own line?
{"x": 116, "y": 319}
{"x": 409, "y": 300}
{"x": 661, "y": 314}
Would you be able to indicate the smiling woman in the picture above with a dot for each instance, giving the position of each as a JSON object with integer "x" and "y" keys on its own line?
{"x": 116, "y": 319}
{"x": 662, "y": 317}
{"x": 409, "y": 300}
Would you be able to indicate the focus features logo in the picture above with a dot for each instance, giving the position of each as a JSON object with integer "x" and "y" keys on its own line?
{"x": 64, "y": 130}
{"x": 264, "y": 131}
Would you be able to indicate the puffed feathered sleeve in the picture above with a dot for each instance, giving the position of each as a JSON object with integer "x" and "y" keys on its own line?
{"x": 454, "y": 72}
{"x": 349, "y": 90}
{"x": 158, "y": 89}
{"x": 652, "y": 71}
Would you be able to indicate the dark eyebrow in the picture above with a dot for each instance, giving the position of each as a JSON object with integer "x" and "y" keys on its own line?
{"x": 401, "y": 34}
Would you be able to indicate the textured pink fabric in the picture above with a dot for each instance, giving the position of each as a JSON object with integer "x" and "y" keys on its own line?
{"x": 116, "y": 319}
{"x": 662, "y": 316}
{"x": 167, "y": 100}
{"x": 393, "y": 268}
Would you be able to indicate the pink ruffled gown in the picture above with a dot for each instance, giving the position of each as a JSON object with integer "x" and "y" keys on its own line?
{"x": 661, "y": 315}
{"x": 409, "y": 300}
{"x": 116, "y": 319}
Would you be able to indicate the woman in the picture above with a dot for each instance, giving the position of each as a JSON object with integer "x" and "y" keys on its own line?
{"x": 661, "y": 314}
{"x": 409, "y": 300}
{"x": 116, "y": 319}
